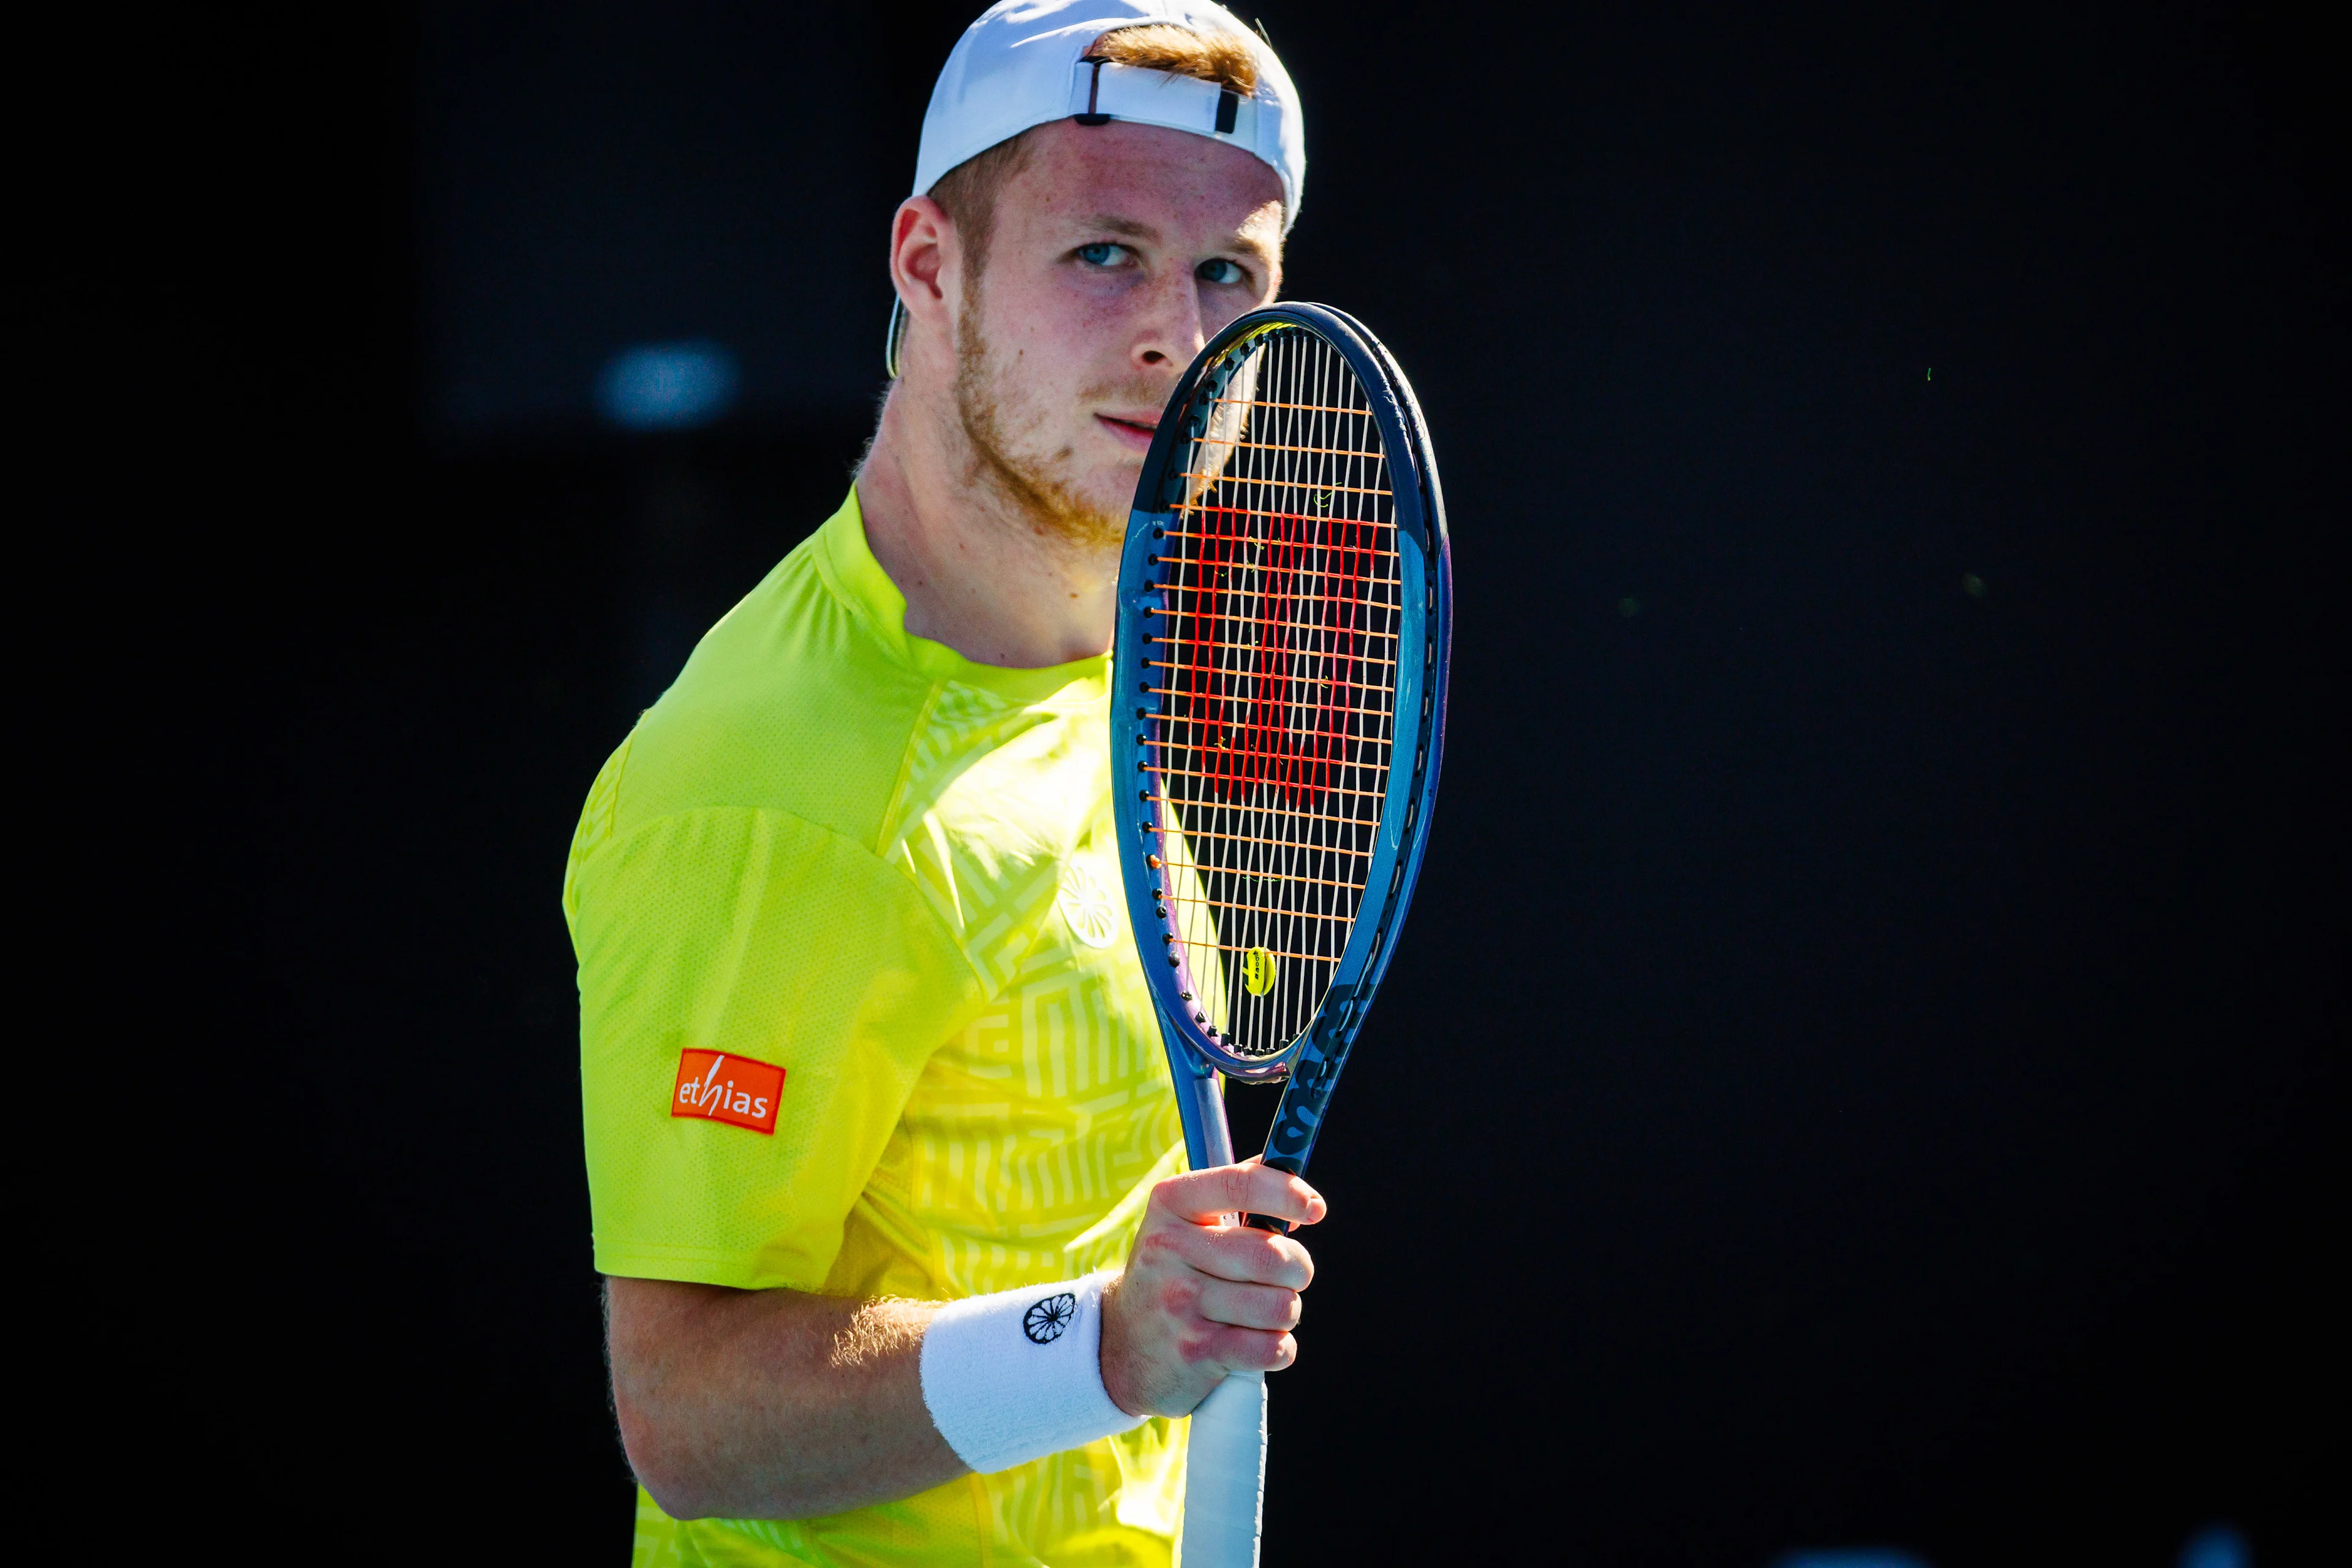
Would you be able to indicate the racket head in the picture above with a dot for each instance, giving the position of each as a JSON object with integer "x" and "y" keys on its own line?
{"x": 1284, "y": 611}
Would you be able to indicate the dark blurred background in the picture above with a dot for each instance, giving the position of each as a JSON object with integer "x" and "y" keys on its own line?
{"x": 1866, "y": 1065}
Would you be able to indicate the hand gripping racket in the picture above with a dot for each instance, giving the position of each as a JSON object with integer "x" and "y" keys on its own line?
{"x": 1278, "y": 706}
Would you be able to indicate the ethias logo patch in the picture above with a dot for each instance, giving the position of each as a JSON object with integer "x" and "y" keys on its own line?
{"x": 733, "y": 1089}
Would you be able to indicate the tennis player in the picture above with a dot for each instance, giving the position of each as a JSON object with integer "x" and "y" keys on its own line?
{"x": 904, "y": 1263}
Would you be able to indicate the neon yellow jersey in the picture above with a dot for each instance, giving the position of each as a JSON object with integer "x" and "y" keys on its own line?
{"x": 856, "y": 857}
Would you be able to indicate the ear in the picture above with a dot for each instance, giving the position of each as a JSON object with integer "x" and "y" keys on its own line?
{"x": 925, "y": 264}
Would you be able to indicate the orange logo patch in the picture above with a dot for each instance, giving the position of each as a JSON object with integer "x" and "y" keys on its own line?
{"x": 734, "y": 1089}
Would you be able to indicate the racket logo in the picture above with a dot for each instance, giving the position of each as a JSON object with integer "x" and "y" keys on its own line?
{"x": 1258, "y": 971}
{"x": 1276, "y": 642}
{"x": 1045, "y": 1322}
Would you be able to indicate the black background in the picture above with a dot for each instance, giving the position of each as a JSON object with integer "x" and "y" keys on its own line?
{"x": 1865, "y": 1062}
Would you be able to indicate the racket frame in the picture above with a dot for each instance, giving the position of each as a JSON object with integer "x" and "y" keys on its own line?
{"x": 1313, "y": 1058}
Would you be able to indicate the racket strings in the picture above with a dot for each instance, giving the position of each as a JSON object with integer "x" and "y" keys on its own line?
{"x": 1322, "y": 495}
{"x": 1286, "y": 625}
{"x": 1192, "y": 718}
{"x": 1274, "y": 656}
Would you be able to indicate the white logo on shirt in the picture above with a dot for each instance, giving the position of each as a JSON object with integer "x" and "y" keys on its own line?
{"x": 1094, "y": 919}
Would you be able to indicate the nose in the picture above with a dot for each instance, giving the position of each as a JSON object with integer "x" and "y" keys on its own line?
{"x": 1170, "y": 332}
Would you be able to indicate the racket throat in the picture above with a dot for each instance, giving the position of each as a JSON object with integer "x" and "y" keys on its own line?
{"x": 1200, "y": 1103}
{"x": 1306, "y": 1099}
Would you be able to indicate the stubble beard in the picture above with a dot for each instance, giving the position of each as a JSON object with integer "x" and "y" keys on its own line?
{"x": 1051, "y": 507}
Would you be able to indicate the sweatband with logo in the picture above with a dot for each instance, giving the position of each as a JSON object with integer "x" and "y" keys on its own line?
{"x": 1015, "y": 1376}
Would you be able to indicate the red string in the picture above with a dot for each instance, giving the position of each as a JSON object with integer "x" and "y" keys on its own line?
{"x": 1264, "y": 748}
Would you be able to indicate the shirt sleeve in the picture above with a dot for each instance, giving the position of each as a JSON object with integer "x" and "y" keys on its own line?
{"x": 758, "y": 934}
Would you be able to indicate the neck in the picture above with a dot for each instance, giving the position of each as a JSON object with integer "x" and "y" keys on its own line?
{"x": 979, "y": 574}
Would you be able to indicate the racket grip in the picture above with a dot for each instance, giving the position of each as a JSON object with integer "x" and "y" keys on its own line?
{"x": 1224, "y": 1476}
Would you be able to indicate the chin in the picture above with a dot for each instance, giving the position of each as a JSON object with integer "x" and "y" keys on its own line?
{"x": 1114, "y": 496}
{"x": 1107, "y": 475}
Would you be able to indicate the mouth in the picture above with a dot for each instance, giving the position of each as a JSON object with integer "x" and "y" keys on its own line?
{"x": 1134, "y": 434}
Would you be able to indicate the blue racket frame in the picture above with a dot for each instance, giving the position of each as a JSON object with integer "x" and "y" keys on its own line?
{"x": 1195, "y": 1055}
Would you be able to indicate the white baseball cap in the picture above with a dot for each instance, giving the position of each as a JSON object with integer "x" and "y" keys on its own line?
{"x": 1024, "y": 64}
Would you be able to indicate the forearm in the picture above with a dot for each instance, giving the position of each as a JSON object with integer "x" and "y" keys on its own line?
{"x": 770, "y": 1404}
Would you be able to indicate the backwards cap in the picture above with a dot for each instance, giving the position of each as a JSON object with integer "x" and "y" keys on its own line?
{"x": 1023, "y": 63}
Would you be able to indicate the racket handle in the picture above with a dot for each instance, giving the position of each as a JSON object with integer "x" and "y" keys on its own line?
{"x": 1224, "y": 1476}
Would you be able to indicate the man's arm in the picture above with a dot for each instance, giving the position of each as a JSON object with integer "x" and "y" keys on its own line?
{"x": 770, "y": 1404}
{"x": 777, "y": 1404}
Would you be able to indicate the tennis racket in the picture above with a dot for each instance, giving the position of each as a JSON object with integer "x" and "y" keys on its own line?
{"x": 1285, "y": 597}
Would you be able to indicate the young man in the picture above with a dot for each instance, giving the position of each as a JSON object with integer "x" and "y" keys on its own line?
{"x": 904, "y": 1265}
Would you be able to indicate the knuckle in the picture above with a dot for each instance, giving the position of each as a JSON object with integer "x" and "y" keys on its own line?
{"x": 1180, "y": 1298}
{"x": 1241, "y": 1254}
{"x": 1287, "y": 1268}
{"x": 1266, "y": 1260}
{"x": 1274, "y": 1309}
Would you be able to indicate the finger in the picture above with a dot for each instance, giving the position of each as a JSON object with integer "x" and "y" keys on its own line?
{"x": 1243, "y": 1349}
{"x": 1237, "y": 1252}
{"x": 1248, "y": 1188}
{"x": 1264, "y": 1307}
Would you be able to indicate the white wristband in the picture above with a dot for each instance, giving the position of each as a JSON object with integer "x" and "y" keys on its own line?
{"x": 1012, "y": 1377}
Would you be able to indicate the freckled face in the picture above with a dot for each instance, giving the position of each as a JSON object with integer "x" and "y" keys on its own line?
{"x": 1118, "y": 250}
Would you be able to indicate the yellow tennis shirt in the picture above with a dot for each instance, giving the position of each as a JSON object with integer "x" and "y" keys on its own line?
{"x": 860, "y": 1015}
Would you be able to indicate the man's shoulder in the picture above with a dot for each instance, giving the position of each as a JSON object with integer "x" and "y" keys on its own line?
{"x": 789, "y": 703}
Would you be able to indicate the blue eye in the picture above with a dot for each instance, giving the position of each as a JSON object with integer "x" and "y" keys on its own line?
{"x": 1221, "y": 272}
{"x": 1102, "y": 253}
